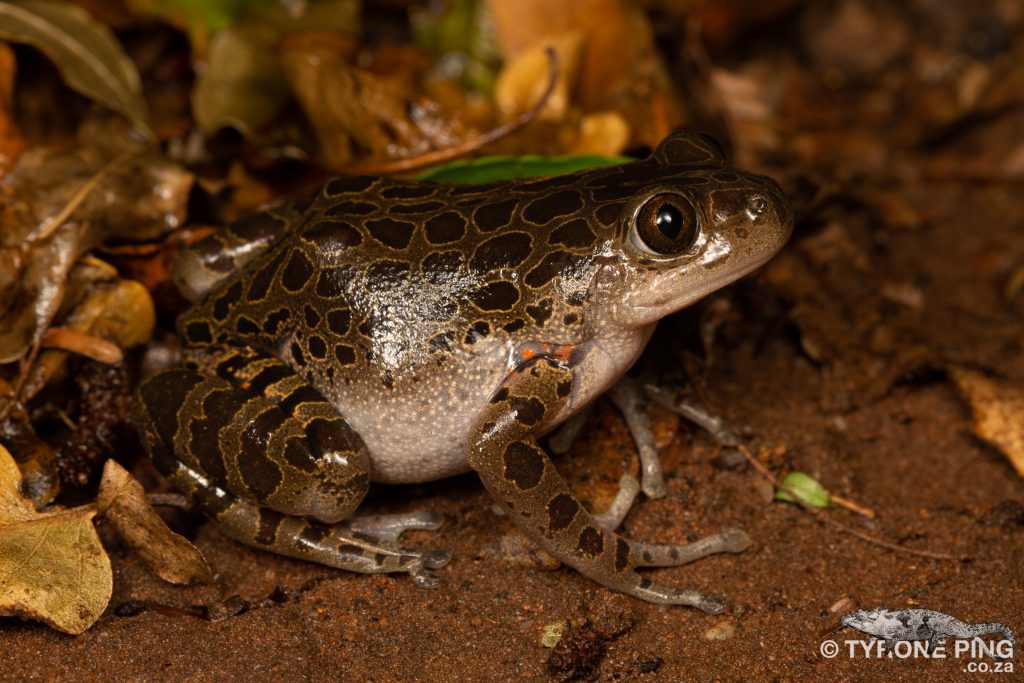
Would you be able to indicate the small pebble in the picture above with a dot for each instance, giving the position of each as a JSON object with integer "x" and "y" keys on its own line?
{"x": 723, "y": 630}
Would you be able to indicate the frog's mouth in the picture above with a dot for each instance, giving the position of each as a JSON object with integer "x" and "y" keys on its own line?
{"x": 675, "y": 290}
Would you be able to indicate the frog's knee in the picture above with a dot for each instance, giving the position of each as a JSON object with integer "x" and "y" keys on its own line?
{"x": 323, "y": 470}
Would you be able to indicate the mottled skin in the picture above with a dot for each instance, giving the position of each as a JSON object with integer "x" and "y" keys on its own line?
{"x": 917, "y": 624}
{"x": 401, "y": 332}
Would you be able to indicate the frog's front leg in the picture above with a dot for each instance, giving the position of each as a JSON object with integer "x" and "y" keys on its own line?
{"x": 265, "y": 455}
{"x": 520, "y": 476}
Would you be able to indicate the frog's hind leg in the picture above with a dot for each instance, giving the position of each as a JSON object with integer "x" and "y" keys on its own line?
{"x": 333, "y": 545}
{"x": 261, "y": 452}
{"x": 522, "y": 479}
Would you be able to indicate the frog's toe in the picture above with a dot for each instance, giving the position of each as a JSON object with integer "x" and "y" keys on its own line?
{"x": 436, "y": 558}
{"x": 390, "y": 527}
{"x": 666, "y": 595}
{"x": 735, "y": 540}
{"x": 425, "y": 578}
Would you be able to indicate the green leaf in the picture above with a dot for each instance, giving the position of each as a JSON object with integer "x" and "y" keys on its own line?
{"x": 807, "y": 489}
{"x": 495, "y": 168}
{"x": 85, "y": 52}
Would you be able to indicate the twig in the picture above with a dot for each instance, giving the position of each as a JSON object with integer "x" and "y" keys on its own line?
{"x": 766, "y": 473}
{"x": 47, "y": 228}
{"x": 467, "y": 146}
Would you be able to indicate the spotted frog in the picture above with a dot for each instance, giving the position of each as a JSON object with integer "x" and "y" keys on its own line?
{"x": 398, "y": 331}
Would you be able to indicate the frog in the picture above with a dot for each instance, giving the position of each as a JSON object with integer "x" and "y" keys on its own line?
{"x": 399, "y": 331}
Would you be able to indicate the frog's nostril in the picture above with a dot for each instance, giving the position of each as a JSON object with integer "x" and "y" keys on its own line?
{"x": 756, "y": 206}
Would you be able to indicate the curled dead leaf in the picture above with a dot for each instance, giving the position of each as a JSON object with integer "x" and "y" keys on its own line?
{"x": 522, "y": 80}
{"x": 998, "y": 412}
{"x": 52, "y": 566}
{"x": 122, "y": 501}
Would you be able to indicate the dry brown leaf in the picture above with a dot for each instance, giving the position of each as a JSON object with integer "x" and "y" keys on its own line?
{"x": 358, "y": 115}
{"x": 997, "y": 409}
{"x": 524, "y": 77}
{"x": 63, "y": 203}
{"x": 52, "y": 566}
{"x": 122, "y": 500}
{"x": 119, "y": 313}
{"x": 620, "y": 68}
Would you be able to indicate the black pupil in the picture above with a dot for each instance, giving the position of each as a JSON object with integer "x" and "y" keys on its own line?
{"x": 669, "y": 221}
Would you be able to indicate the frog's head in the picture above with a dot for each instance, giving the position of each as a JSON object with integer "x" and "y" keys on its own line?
{"x": 873, "y": 621}
{"x": 692, "y": 225}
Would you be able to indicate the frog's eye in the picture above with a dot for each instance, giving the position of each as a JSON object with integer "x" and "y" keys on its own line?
{"x": 666, "y": 224}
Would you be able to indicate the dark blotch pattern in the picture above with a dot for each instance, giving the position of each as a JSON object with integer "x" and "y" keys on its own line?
{"x": 268, "y": 524}
{"x": 333, "y": 237}
{"x": 339, "y": 320}
{"x": 259, "y": 473}
{"x": 345, "y": 355}
{"x": 260, "y": 284}
{"x": 621, "y": 554}
{"x": 550, "y": 207}
{"x": 476, "y": 331}
{"x": 490, "y": 217}
{"x": 591, "y": 542}
{"x": 390, "y": 232}
{"x": 421, "y": 208}
{"x": 524, "y": 466}
{"x": 563, "y": 388}
{"x": 231, "y": 296}
{"x": 352, "y": 209}
{"x": 541, "y": 312}
{"x": 553, "y": 265}
{"x": 349, "y": 184}
{"x": 496, "y": 296}
{"x": 574, "y": 234}
{"x": 562, "y": 510}
{"x": 409, "y": 191}
{"x": 317, "y": 347}
{"x": 528, "y": 411}
{"x": 198, "y": 332}
{"x": 311, "y": 315}
{"x": 246, "y": 326}
{"x": 445, "y": 228}
{"x": 439, "y": 266}
{"x": 275, "y": 322}
{"x": 506, "y": 250}
{"x": 332, "y": 282}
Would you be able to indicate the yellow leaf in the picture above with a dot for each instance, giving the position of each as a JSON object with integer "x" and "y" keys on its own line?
{"x": 998, "y": 413}
{"x": 52, "y": 566}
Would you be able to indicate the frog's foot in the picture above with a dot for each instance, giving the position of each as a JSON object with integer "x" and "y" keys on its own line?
{"x": 523, "y": 481}
{"x": 720, "y": 430}
{"x": 334, "y": 545}
{"x": 390, "y": 527}
{"x": 629, "y": 398}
